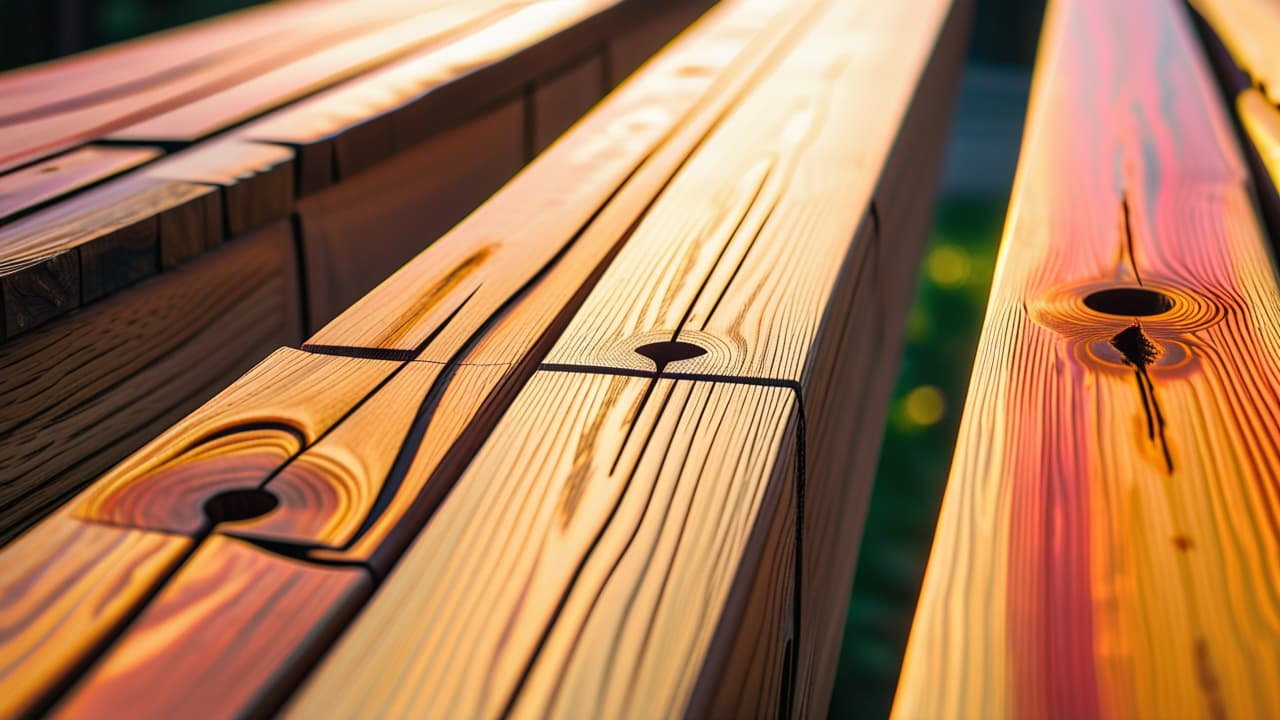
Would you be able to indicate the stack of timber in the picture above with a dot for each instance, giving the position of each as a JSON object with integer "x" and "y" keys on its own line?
{"x": 1108, "y": 544}
{"x": 174, "y": 208}
{"x": 602, "y": 449}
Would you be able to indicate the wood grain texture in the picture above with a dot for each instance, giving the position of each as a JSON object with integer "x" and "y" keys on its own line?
{"x": 84, "y": 248}
{"x": 560, "y": 100}
{"x": 34, "y": 185}
{"x": 352, "y": 127}
{"x": 234, "y": 442}
{"x": 1107, "y": 545}
{"x": 230, "y": 662}
{"x": 404, "y": 204}
{"x": 64, "y": 590}
{"x": 363, "y": 492}
{"x": 256, "y": 179}
{"x": 741, "y": 253}
{"x": 81, "y": 393}
{"x": 581, "y": 571}
{"x": 327, "y": 64}
{"x": 567, "y": 212}
{"x": 55, "y": 106}
{"x": 1249, "y": 29}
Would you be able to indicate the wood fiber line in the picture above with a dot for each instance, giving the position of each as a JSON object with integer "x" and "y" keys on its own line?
{"x": 1108, "y": 544}
{"x": 328, "y": 64}
{"x": 55, "y": 106}
{"x": 567, "y": 572}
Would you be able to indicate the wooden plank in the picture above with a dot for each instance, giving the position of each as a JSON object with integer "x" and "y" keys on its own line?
{"x": 84, "y": 248}
{"x": 80, "y": 394}
{"x": 215, "y": 603}
{"x": 598, "y": 180}
{"x": 234, "y": 442}
{"x": 403, "y": 204}
{"x": 257, "y": 179}
{"x": 53, "y": 107}
{"x": 357, "y": 462}
{"x": 1248, "y": 29}
{"x": 283, "y": 83}
{"x": 559, "y": 101}
{"x": 64, "y": 590}
{"x": 584, "y": 571}
{"x": 715, "y": 263}
{"x": 1107, "y": 544}
{"x": 61, "y": 175}
{"x": 358, "y": 497}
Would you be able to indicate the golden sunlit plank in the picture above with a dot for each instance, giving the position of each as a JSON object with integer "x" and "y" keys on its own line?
{"x": 1108, "y": 544}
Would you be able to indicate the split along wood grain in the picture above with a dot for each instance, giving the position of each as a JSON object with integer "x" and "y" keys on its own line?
{"x": 85, "y": 248}
{"x": 64, "y": 590}
{"x": 34, "y": 185}
{"x": 357, "y": 461}
{"x": 55, "y": 106}
{"x": 741, "y": 253}
{"x": 359, "y": 232}
{"x": 584, "y": 562}
{"x": 1107, "y": 545}
{"x": 80, "y": 394}
{"x": 1249, "y": 29}
{"x": 233, "y": 442}
{"x": 205, "y": 647}
{"x": 549, "y": 220}
{"x": 257, "y": 179}
{"x": 405, "y": 473}
{"x": 327, "y": 65}
{"x": 360, "y": 494}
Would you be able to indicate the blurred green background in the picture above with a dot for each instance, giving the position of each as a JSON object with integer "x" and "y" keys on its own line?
{"x": 941, "y": 333}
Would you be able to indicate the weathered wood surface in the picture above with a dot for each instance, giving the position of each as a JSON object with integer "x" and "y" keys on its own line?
{"x": 1107, "y": 545}
{"x": 78, "y": 396}
{"x": 34, "y": 185}
{"x": 1249, "y": 29}
{"x": 58, "y": 105}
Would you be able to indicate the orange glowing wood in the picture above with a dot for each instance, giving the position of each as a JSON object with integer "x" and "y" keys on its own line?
{"x": 63, "y": 174}
{"x": 55, "y": 106}
{"x": 481, "y": 310}
{"x": 64, "y": 590}
{"x": 79, "y": 395}
{"x": 573, "y": 567}
{"x": 242, "y": 615}
{"x": 236, "y": 441}
{"x": 580, "y": 569}
{"x": 1108, "y": 544}
{"x": 1250, "y": 30}
{"x": 159, "y": 500}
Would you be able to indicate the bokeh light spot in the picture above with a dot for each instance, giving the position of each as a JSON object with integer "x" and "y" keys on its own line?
{"x": 949, "y": 266}
{"x": 925, "y": 405}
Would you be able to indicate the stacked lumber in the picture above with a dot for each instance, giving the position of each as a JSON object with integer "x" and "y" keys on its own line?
{"x": 603, "y": 448}
{"x": 174, "y": 208}
{"x": 1108, "y": 544}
